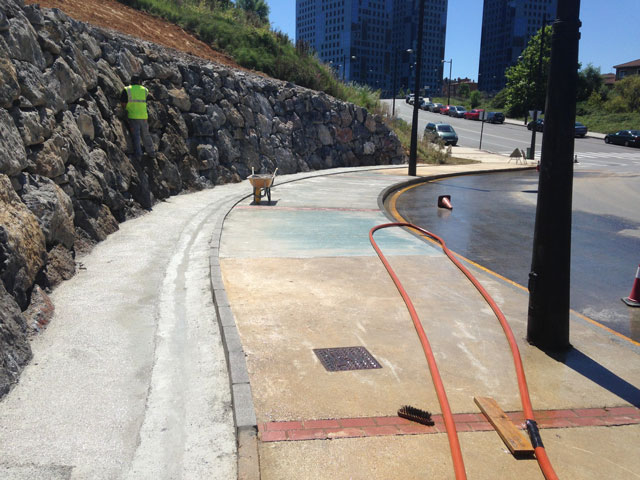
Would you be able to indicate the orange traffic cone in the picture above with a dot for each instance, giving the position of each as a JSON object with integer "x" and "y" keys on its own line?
{"x": 633, "y": 300}
{"x": 444, "y": 201}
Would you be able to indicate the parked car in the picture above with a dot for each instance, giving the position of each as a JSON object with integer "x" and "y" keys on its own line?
{"x": 538, "y": 125}
{"x": 443, "y": 131}
{"x": 495, "y": 117}
{"x": 436, "y": 107}
{"x": 445, "y": 110}
{"x": 580, "y": 130}
{"x": 407, "y": 98}
{"x": 628, "y": 138}
{"x": 474, "y": 114}
{"x": 426, "y": 106}
{"x": 457, "y": 111}
{"x": 412, "y": 99}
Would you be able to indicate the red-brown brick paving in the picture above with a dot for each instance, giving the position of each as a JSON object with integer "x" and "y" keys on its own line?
{"x": 465, "y": 422}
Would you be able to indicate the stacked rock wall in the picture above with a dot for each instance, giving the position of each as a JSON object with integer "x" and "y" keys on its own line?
{"x": 66, "y": 178}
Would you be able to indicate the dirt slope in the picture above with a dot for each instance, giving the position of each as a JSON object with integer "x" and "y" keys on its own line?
{"x": 116, "y": 16}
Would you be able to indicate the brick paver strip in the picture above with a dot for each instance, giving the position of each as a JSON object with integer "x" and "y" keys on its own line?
{"x": 324, "y": 429}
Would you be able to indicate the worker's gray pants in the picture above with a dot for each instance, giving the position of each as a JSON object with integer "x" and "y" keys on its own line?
{"x": 141, "y": 128}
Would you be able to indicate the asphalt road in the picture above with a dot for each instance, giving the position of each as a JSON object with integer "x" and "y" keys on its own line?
{"x": 493, "y": 219}
{"x": 592, "y": 152}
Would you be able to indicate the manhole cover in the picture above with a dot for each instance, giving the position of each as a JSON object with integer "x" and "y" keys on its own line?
{"x": 346, "y": 358}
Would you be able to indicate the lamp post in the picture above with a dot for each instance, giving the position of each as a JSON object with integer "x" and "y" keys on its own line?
{"x": 395, "y": 77}
{"x": 450, "y": 62}
{"x": 413, "y": 151}
{"x": 549, "y": 280}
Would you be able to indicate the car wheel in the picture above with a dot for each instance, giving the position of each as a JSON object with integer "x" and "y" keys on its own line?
{"x": 606, "y": 140}
{"x": 626, "y": 143}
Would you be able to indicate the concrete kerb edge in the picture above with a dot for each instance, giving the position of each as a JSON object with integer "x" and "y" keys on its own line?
{"x": 244, "y": 417}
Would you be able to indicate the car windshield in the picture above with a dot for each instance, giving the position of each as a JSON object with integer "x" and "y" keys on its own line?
{"x": 445, "y": 128}
{"x": 635, "y": 132}
{"x": 578, "y": 124}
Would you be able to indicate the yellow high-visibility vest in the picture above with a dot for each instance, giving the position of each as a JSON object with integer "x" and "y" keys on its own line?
{"x": 137, "y": 102}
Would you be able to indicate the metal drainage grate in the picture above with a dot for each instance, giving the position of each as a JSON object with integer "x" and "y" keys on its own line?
{"x": 346, "y": 358}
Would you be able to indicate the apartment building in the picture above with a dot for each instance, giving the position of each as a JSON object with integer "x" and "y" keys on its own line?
{"x": 366, "y": 41}
{"x": 507, "y": 26}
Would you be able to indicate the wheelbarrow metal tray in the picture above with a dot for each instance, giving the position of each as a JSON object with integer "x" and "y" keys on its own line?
{"x": 261, "y": 180}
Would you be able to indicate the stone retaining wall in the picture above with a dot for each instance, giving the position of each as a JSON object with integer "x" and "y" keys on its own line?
{"x": 66, "y": 178}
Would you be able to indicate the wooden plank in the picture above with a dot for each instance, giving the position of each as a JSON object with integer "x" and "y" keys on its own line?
{"x": 515, "y": 440}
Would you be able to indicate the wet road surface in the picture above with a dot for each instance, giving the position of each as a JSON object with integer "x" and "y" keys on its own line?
{"x": 492, "y": 224}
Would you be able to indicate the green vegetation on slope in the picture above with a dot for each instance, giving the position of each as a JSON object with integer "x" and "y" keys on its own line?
{"x": 253, "y": 45}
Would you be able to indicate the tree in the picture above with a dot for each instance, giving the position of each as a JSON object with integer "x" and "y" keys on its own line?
{"x": 464, "y": 90}
{"x": 257, "y": 7}
{"x": 626, "y": 95}
{"x": 526, "y": 87}
{"x": 475, "y": 98}
{"x": 589, "y": 81}
{"x": 500, "y": 99}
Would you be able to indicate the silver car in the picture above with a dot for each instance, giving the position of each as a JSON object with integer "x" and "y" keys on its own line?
{"x": 457, "y": 111}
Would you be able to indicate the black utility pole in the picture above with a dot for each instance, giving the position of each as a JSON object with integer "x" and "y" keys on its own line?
{"x": 549, "y": 280}
{"x": 395, "y": 76}
{"x": 416, "y": 93}
{"x": 536, "y": 92}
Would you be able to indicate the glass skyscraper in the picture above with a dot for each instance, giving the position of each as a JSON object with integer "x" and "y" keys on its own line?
{"x": 507, "y": 26}
{"x": 366, "y": 41}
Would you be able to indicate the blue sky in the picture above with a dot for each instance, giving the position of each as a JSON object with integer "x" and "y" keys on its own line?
{"x": 610, "y": 32}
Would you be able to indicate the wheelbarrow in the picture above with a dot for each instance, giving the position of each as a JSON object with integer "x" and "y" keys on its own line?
{"x": 261, "y": 183}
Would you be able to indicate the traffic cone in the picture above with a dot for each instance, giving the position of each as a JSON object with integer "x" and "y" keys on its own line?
{"x": 444, "y": 201}
{"x": 633, "y": 300}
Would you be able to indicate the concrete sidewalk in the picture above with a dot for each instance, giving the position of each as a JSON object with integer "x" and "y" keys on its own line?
{"x": 300, "y": 275}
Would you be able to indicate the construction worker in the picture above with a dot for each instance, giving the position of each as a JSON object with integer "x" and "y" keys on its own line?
{"x": 134, "y": 100}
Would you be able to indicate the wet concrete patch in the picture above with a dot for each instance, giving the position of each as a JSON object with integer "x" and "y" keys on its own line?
{"x": 308, "y": 232}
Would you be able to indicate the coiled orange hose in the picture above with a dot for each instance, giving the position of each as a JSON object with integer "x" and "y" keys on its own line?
{"x": 454, "y": 444}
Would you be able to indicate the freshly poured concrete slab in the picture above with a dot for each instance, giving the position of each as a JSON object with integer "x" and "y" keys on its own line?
{"x": 591, "y": 453}
{"x": 287, "y": 307}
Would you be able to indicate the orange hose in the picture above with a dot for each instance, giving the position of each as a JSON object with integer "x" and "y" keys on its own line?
{"x": 540, "y": 453}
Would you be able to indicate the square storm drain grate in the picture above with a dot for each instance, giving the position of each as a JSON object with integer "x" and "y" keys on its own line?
{"x": 346, "y": 358}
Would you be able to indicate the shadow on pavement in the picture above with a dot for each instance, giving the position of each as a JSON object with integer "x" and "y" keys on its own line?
{"x": 589, "y": 368}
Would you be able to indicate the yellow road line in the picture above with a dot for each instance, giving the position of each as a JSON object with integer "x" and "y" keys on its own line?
{"x": 394, "y": 212}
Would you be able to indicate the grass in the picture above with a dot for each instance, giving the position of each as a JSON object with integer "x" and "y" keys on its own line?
{"x": 610, "y": 122}
{"x": 253, "y": 45}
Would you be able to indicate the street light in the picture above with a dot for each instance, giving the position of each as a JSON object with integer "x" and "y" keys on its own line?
{"x": 413, "y": 150}
{"x": 450, "y": 62}
{"x": 395, "y": 77}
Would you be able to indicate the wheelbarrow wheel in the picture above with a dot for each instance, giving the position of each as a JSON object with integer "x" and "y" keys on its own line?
{"x": 256, "y": 195}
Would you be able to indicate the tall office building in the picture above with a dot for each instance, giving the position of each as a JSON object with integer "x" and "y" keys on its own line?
{"x": 507, "y": 26}
{"x": 363, "y": 39}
